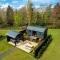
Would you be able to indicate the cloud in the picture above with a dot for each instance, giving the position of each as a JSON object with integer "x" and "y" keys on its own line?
{"x": 20, "y": 6}
{"x": 42, "y": 1}
{"x": 4, "y": 5}
{"x": 17, "y": 4}
{"x": 3, "y": 1}
{"x": 15, "y": 1}
{"x": 37, "y": 6}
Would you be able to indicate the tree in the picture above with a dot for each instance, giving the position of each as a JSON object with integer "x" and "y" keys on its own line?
{"x": 1, "y": 17}
{"x": 57, "y": 11}
{"x": 23, "y": 16}
{"x": 29, "y": 11}
{"x": 56, "y": 15}
{"x": 34, "y": 19}
{"x": 10, "y": 16}
{"x": 17, "y": 18}
{"x": 1, "y": 20}
{"x": 39, "y": 19}
{"x": 47, "y": 15}
{"x": 44, "y": 17}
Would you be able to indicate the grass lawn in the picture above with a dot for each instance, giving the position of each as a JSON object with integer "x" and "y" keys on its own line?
{"x": 52, "y": 52}
{"x": 4, "y": 46}
{"x": 18, "y": 55}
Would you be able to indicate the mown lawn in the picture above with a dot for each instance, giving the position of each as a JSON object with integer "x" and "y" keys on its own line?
{"x": 18, "y": 55}
{"x": 4, "y": 46}
{"x": 51, "y": 53}
{"x": 53, "y": 50}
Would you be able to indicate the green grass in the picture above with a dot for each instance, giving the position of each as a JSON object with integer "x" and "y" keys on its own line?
{"x": 52, "y": 52}
{"x": 11, "y": 28}
{"x": 18, "y": 55}
{"x": 4, "y": 46}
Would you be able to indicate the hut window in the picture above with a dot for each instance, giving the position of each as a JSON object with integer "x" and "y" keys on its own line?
{"x": 34, "y": 33}
{"x": 29, "y": 30}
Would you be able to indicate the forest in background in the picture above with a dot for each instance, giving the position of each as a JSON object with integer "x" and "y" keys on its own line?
{"x": 26, "y": 15}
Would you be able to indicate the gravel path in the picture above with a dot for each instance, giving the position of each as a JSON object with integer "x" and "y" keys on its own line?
{"x": 6, "y": 53}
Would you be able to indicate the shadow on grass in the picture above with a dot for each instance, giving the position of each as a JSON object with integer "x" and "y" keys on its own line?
{"x": 44, "y": 47}
{"x": 2, "y": 37}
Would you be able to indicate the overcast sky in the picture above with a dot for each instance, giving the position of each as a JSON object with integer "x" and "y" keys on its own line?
{"x": 16, "y": 4}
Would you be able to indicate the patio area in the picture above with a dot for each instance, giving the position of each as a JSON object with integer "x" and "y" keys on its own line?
{"x": 26, "y": 46}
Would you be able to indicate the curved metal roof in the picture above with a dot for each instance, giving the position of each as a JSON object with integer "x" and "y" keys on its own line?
{"x": 12, "y": 34}
{"x": 39, "y": 29}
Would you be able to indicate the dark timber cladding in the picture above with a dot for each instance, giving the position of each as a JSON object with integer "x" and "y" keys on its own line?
{"x": 40, "y": 32}
{"x": 13, "y": 35}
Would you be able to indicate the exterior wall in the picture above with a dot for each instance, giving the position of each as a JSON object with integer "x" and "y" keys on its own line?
{"x": 8, "y": 38}
{"x": 29, "y": 32}
{"x": 39, "y": 34}
{"x": 45, "y": 33}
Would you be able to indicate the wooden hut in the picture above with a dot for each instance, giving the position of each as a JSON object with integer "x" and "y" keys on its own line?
{"x": 39, "y": 32}
{"x": 13, "y": 35}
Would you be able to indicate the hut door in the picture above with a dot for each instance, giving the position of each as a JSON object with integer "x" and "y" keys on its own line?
{"x": 34, "y": 33}
{"x": 8, "y": 38}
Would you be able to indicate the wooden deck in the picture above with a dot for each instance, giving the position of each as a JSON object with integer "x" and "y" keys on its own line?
{"x": 26, "y": 46}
